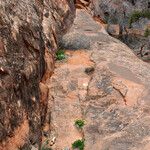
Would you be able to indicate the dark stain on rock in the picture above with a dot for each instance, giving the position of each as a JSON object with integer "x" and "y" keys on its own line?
{"x": 89, "y": 70}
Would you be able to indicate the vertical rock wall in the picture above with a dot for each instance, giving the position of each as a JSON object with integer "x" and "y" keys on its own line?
{"x": 29, "y": 31}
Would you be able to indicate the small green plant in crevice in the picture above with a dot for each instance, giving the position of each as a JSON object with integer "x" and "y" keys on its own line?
{"x": 79, "y": 123}
{"x": 78, "y": 144}
{"x": 147, "y": 32}
{"x": 136, "y": 15}
{"x": 60, "y": 55}
{"x": 45, "y": 146}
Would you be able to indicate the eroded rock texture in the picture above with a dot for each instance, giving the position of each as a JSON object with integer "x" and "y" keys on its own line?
{"x": 117, "y": 13}
{"x": 105, "y": 84}
{"x": 29, "y": 31}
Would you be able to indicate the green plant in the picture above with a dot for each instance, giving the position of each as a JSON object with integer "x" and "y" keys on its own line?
{"x": 79, "y": 123}
{"x": 147, "y": 32}
{"x": 60, "y": 55}
{"x": 78, "y": 144}
{"x": 136, "y": 15}
{"x": 45, "y": 146}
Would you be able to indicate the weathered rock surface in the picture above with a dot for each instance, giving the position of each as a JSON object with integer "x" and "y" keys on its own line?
{"x": 117, "y": 13}
{"x": 106, "y": 85}
{"x": 29, "y": 32}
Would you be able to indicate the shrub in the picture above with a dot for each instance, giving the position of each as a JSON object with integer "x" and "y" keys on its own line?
{"x": 45, "y": 146}
{"x": 60, "y": 55}
{"x": 79, "y": 123}
{"x": 147, "y": 32}
{"x": 136, "y": 15}
{"x": 78, "y": 144}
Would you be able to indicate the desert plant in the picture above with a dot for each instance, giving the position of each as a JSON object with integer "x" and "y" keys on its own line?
{"x": 79, "y": 123}
{"x": 78, "y": 144}
{"x": 45, "y": 146}
{"x": 136, "y": 15}
{"x": 60, "y": 55}
{"x": 147, "y": 32}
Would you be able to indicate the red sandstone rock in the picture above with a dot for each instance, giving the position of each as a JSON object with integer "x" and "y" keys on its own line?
{"x": 29, "y": 32}
{"x": 114, "y": 99}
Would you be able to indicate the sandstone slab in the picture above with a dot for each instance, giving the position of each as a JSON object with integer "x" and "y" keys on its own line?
{"x": 114, "y": 98}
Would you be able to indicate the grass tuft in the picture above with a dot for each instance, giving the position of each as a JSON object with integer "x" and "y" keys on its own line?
{"x": 60, "y": 55}
{"x": 79, "y": 123}
{"x": 79, "y": 144}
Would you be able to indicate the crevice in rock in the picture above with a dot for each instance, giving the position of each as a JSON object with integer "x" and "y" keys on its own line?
{"x": 122, "y": 95}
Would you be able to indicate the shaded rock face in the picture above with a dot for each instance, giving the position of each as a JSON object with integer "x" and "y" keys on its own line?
{"x": 29, "y": 31}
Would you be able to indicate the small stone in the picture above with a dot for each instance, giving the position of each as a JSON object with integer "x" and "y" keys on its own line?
{"x": 89, "y": 70}
{"x": 46, "y": 15}
{"x": 113, "y": 30}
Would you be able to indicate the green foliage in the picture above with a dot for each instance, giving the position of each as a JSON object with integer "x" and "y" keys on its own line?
{"x": 60, "y": 55}
{"x": 147, "y": 32}
{"x": 45, "y": 146}
{"x": 78, "y": 144}
{"x": 136, "y": 15}
{"x": 79, "y": 123}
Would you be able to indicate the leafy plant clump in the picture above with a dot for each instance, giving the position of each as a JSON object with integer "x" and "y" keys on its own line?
{"x": 78, "y": 144}
{"x": 79, "y": 123}
{"x": 136, "y": 15}
{"x": 45, "y": 146}
{"x": 60, "y": 55}
{"x": 147, "y": 32}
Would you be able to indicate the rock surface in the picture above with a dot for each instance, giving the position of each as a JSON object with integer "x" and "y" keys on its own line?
{"x": 118, "y": 13}
{"x": 103, "y": 83}
{"x": 29, "y": 32}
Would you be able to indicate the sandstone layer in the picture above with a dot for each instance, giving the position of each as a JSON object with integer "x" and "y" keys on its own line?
{"x": 29, "y": 32}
